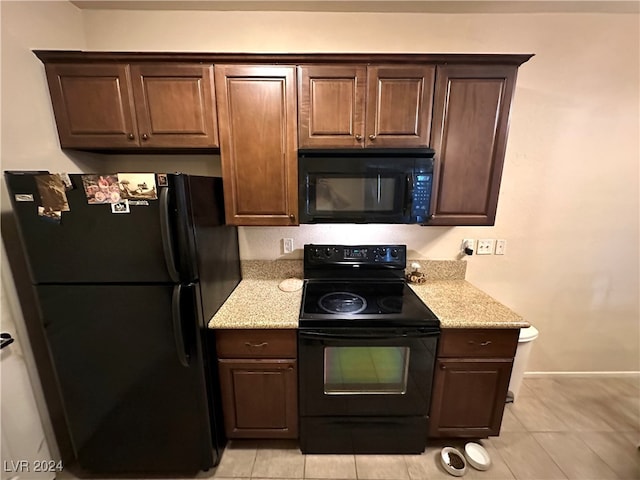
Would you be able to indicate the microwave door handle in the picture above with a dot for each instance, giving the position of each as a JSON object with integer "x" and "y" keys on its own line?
{"x": 408, "y": 193}
{"x": 378, "y": 192}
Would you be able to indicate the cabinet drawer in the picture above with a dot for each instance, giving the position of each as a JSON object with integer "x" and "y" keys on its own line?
{"x": 256, "y": 343}
{"x": 478, "y": 343}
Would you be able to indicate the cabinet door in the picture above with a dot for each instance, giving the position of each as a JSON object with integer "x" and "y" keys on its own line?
{"x": 93, "y": 105}
{"x": 259, "y": 398}
{"x": 469, "y": 135}
{"x": 399, "y": 102}
{"x": 469, "y": 397}
{"x": 175, "y": 105}
{"x": 258, "y": 143}
{"x": 332, "y": 106}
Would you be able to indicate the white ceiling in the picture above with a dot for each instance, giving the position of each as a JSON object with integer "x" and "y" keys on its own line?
{"x": 451, "y": 6}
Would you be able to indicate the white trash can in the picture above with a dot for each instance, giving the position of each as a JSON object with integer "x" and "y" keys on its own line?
{"x": 525, "y": 340}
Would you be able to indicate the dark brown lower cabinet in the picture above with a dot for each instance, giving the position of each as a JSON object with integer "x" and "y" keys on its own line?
{"x": 259, "y": 398}
{"x": 258, "y": 382}
{"x": 470, "y": 382}
{"x": 471, "y": 397}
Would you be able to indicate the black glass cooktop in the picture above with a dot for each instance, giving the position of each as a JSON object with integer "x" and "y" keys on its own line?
{"x": 370, "y": 303}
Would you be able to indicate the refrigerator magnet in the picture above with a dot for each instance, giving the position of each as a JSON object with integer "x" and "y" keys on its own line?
{"x": 162, "y": 180}
{"x": 101, "y": 189}
{"x": 120, "y": 207}
{"x": 24, "y": 197}
{"x": 138, "y": 186}
{"x": 66, "y": 181}
{"x": 53, "y": 196}
{"x": 53, "y": 216}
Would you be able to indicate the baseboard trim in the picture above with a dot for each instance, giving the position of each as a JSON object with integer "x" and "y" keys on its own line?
{"x": 582, "y": 374}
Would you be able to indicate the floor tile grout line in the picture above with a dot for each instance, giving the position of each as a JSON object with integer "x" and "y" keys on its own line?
{"x": 406, "y": 466}
{"x": 547, "y": 452}
{"x": 255, "y": 458}
{"x": 596, "y": 453}
{"x": 497, "y": 451}
{"x": 355, "y": 461}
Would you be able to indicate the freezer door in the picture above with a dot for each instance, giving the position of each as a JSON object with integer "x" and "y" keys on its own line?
{"x": 93, "y": 245}
{"x": 129, "y": 364}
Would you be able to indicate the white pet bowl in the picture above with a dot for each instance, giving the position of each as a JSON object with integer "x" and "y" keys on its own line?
{"x": 452, "y": 459}
{"x": 477, "y": 456}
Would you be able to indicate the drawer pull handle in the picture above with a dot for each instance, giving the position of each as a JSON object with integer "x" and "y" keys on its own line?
{"x": 482, "y": 344}
{"x": 256, "y": 345}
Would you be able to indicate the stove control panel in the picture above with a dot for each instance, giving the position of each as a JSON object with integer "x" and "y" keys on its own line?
{"x": 382, "y": 255}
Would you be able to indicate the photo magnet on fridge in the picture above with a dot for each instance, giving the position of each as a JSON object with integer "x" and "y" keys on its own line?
{"x": 53, "y": 197}
{"x": 162, "y": 180}
{"x": 140, "y": 186}
{"x": 101, "y": 189}
{"x": 120, "y": 207}
{"x": 53, "y": 216}
{"x": 66, "y": 180}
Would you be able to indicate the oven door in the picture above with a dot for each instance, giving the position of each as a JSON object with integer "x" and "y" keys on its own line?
{"x": 366, "y": 372}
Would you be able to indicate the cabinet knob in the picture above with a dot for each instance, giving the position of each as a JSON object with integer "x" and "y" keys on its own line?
{"x": 358, "y": 137}
{"x": 443, "y": 367}
{"x": 131, "y": 136}
{"x": 145, "y": 136}
{"x": 292, "y": 217}
{"x": 372, "y": 137}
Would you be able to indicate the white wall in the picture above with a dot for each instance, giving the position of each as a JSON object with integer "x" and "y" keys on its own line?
{"x": 569, "y": 205}
{"x": 29, "y": 141}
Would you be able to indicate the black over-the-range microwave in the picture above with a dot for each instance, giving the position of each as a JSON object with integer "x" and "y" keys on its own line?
{"x": 365, "y": 185}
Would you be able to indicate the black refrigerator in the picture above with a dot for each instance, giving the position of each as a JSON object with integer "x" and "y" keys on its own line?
{"x": 125, "y": 292}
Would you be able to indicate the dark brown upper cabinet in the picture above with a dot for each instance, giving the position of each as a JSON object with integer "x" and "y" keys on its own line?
{"x": 469, "y": 136}
{"x": 130, "y": 106}
{"x": 258, "y": 143}
{"x": 357, "y": 106}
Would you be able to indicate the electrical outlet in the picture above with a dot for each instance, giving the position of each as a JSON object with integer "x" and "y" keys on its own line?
{"x": 287, "y": 245}
{"x": 468, "y": 246}
{"x": 501, "y": 247}
{"x": 485, "y": 247}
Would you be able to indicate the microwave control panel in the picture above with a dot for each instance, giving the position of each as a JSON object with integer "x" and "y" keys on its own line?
{"x": 421, "y": 195}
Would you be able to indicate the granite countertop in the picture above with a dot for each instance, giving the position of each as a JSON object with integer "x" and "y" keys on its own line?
{"x": 257, "y": 302}
{"x": 458, "y": 304}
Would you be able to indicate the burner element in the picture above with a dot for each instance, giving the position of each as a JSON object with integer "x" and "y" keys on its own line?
{"x": 342, "y": 302}
{"x": 390, "y": 304}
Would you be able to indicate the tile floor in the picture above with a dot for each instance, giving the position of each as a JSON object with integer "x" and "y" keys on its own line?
{"x": 568, "y": 428}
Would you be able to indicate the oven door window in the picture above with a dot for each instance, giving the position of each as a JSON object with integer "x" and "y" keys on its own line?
{"x": 366, "y": 370}
{"x": 333, "y": 194}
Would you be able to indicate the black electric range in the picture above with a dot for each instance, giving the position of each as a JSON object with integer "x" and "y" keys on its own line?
{"x": 366, "y": 353}
{"x": 360, "y": 286}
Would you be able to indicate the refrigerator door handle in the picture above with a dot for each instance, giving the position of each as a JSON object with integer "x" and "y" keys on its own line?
{"x": 176, "y": 312}
{"x": 165, "y": 229}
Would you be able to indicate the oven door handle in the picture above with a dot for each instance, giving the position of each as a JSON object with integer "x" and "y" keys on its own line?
{"x": 368, "y": 336}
